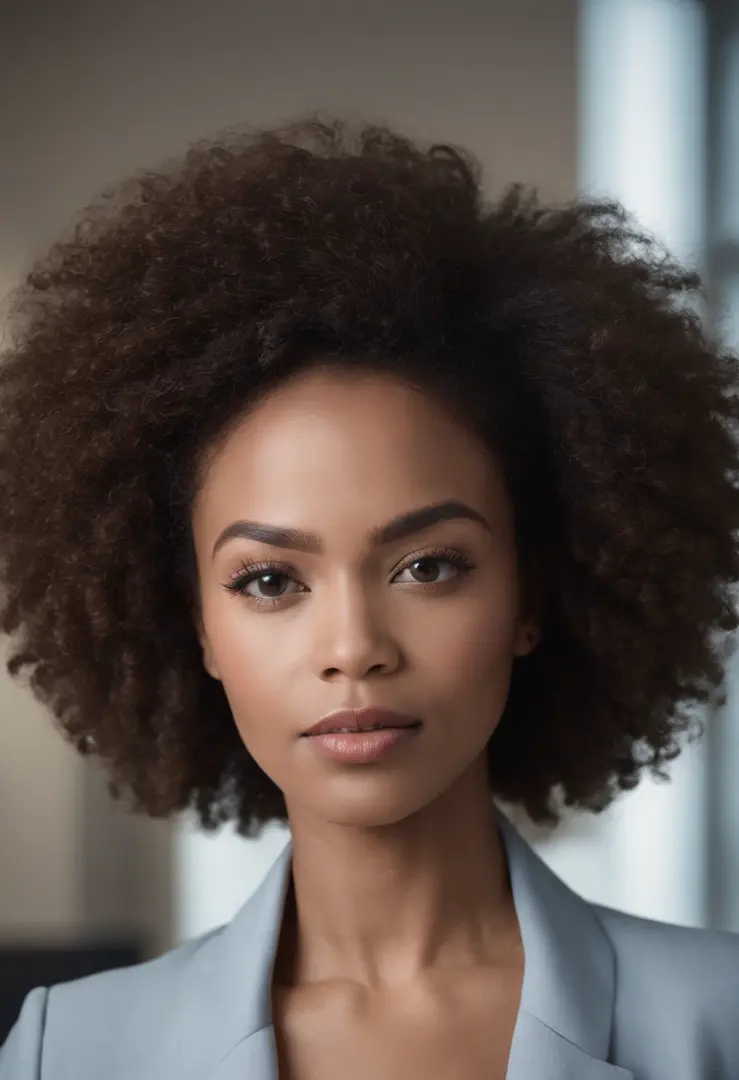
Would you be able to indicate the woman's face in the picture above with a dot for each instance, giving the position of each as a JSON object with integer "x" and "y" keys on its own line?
{"x": 350, "y": 621}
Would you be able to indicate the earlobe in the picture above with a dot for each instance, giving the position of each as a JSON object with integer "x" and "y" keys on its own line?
{"x": 208, "y": 662}
{"x": 205, "y": 647}
{"x": 527, "y": 639}
{"x": 532, "y": 611}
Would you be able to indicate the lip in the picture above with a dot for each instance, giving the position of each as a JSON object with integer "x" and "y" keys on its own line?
{"x": 361, "y": 747}
{"x": 361, "y": 720}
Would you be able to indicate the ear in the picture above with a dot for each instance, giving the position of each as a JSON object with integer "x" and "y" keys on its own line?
{"x": 532, "y": 612}
{"x": 209, "y": 664}
{"x": 208, "y": 661}
{"x": 528, "y": 635}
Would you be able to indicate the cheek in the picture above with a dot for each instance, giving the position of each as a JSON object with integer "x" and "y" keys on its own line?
{"x": 256, "y": 683}
{"x": 250, "y": 665}
{"x": 477, "y": 628}
{"x": 467, "y": 652}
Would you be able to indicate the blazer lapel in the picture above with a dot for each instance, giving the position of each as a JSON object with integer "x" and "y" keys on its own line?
{"x": 222, "y": 1022}
{"x": 538, "y": 1051}
{"x": 254, "y": 1058}
{"x": 563, "y": 1029}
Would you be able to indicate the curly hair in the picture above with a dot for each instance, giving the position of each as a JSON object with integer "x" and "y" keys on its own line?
{"x": 564, "y": 335}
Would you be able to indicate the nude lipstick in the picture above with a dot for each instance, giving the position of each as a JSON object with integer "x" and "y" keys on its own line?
{"x": 358, "y": 736}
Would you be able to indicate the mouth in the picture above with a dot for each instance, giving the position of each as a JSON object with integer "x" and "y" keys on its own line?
{"x": 362, "y": 737}
{"x": 362, "y": 730}
{"x": 359, "y": 721}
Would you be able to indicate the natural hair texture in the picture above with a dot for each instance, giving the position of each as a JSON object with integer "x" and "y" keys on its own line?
{"x": 561, "y": 334}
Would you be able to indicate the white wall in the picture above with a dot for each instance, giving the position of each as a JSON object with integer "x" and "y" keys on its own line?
{"x": 724, "y": 239}
{"x": 642, "y": 140}
{"x": 94, "y": 90}
{"x": 39, "y": 778}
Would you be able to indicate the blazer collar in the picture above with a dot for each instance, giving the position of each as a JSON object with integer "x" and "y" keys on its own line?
{"x": 564, "y": 1024}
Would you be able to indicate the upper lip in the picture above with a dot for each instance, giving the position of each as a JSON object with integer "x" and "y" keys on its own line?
{"x": 368, "y": 716}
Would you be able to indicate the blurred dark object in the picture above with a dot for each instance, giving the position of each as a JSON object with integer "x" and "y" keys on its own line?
{"x": 23, "y": 967}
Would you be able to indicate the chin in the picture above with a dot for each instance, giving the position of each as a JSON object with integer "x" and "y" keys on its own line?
{"x": 369, "y": 817}
{"x": 366, "y": 807}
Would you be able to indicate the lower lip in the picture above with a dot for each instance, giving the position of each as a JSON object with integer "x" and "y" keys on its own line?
{"x": 361, "y": 746}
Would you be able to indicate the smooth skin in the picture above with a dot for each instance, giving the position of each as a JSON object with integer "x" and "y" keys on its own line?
{"x": 400, "y": 954}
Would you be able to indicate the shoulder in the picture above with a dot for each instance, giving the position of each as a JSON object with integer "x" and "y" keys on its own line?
{"x": 676, "y": 987}
{"x": 68, "y": 1025}
{"x": 658, "y": 950}
{"x": 177, "y": 1015}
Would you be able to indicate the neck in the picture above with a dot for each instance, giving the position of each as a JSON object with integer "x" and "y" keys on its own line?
{"x": 385, "y": 905}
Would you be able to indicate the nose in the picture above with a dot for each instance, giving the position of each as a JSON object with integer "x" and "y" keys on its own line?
{"x": 353, "y": 639}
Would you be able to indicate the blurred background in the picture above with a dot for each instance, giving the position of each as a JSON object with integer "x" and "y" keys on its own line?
{"x": 637, "y": 99}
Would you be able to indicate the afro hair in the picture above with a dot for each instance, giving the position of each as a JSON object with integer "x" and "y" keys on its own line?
{"x": 563, "y": 334}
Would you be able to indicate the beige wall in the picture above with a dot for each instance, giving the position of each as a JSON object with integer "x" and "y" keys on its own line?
{"x": 93, "y": 90}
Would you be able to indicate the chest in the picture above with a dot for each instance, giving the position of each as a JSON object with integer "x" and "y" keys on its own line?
{"x": 464, "y": 1032}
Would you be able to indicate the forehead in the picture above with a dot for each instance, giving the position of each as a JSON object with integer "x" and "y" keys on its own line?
{"x": 363, "y": 444}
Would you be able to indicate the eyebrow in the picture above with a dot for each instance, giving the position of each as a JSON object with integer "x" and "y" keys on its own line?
{"x": 405, "y": 525}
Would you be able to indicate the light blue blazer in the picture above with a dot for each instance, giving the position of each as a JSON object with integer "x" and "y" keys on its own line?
{"x": 606, "y": 996}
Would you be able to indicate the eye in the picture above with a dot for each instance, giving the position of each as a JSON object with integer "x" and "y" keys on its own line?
{"x": 262, "y": 584}
{"x": 267, "y": 584}
{"x": 270, "y": 585}
{"x": 425, "y": 569}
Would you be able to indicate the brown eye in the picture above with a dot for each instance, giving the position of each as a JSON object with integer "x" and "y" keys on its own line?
{"x": 436, "y": 569}
{"x": 263, "y": 584}
{"x": 425, "y": 570}
{"x": 269, "y": 585}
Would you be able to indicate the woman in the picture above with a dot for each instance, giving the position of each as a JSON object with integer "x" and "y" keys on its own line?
{"x": 374, "y": 506}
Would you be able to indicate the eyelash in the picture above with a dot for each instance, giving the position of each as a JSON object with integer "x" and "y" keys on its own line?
{"x": 246, "y": 574}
